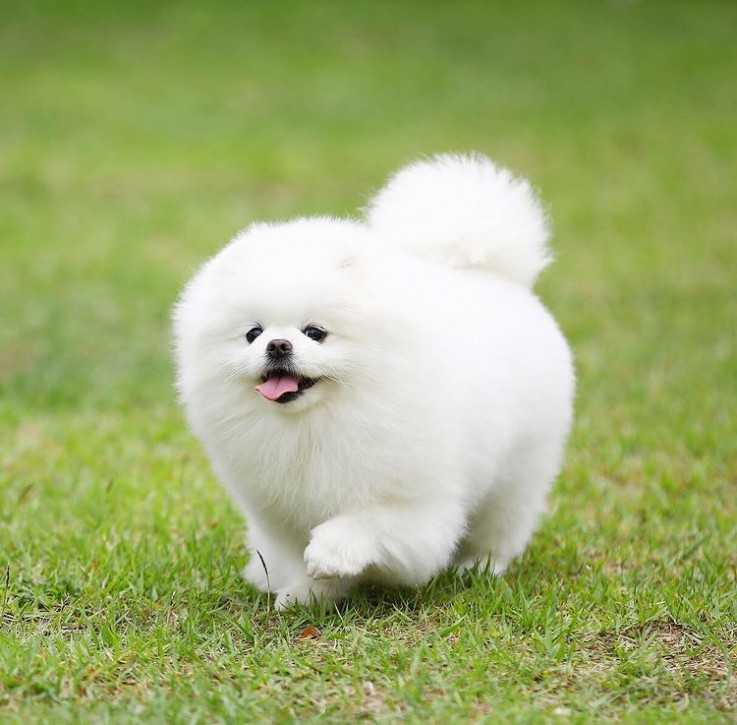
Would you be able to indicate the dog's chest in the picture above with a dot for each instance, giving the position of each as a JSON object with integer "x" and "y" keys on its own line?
{"x": 303, "y": 480}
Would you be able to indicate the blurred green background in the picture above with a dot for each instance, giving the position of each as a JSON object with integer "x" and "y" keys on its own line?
{"x": 136, "y": 138}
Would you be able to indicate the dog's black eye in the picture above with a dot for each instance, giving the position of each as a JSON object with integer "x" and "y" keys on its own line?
{"x": 252, "y": 334}
{"x": 315, "y": 333}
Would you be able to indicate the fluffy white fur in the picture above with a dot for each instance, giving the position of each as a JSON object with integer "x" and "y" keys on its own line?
{"x": 466, "y": 213}
{"x": 444, "y": 393}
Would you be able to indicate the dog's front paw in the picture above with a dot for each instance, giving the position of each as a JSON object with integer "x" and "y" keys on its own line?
{"x": 301, "y": 593}
{"x": 309, "y": 593}
{"x": 481, "y": 564}
{"x": 339, "y": 548}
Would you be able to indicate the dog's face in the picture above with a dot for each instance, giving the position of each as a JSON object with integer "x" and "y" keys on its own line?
{"x": 293, "y": 359}
{"x": 278, "y": 312}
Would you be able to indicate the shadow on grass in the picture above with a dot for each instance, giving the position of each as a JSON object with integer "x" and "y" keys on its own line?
{"x": 475, "y": 592}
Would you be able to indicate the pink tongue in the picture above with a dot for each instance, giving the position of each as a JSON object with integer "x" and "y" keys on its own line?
{"x": 277, "y": 385}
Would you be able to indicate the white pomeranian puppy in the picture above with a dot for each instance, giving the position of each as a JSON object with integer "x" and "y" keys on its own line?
{"x": 383, "y": 398}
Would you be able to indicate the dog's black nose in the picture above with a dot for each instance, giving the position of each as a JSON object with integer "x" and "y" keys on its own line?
{"x": 277, "y": 349}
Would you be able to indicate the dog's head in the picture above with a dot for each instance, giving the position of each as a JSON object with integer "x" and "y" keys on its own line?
{"x": 280, "y": 312}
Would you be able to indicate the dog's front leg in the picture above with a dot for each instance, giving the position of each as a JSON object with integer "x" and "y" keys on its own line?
{"x": 405, "y": 543}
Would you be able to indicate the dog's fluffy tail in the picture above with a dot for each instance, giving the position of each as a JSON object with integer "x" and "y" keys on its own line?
{"x": 465, "y": 212}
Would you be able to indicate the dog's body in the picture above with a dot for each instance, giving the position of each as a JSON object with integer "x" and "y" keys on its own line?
{"x": 412, "y": 396}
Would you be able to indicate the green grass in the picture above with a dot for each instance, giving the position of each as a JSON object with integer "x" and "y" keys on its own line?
{"x": 136, "y": 138}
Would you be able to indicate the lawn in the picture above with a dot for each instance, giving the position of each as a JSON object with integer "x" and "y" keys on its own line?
{"x": 136, "y": 138}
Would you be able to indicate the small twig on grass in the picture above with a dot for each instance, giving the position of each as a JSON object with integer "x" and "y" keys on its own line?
{"x": 268, "y": 583}
{"x": 7, "y": 587}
